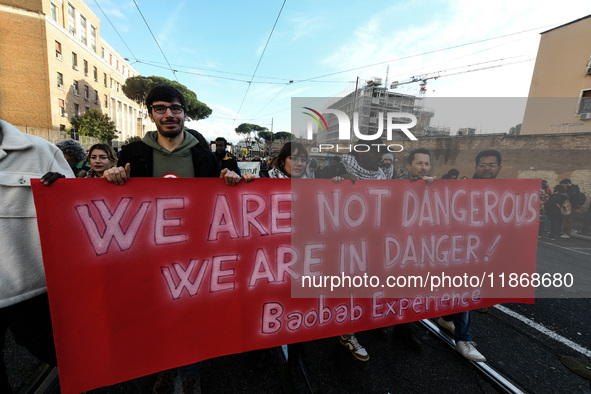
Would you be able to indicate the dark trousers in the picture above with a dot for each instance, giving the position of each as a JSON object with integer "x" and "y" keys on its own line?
{"x": 587, "y": 224}
{"x": 555, "y": 222}
{"x": 30, "y": 323}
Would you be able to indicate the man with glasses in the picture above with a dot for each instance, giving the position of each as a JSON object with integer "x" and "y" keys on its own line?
{"x": 170, "y": 152}
{"x": 488, "y": 164}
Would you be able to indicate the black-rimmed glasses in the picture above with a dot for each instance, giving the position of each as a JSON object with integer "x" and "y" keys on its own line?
{"x": 161, "y": 109}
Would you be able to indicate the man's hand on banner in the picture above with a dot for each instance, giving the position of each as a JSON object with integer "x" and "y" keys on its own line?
{"x": 232, "y": 179}
{"x": 51, "y": 177}
{"x": 117, "y": 175}
{"x": 339, "y": 179}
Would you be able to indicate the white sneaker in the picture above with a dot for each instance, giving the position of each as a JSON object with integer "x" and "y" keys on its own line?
{"x": 350, "y": 342}
{"x": 565, "y": 236}
{"x": 448, "y": 325}
{"x": 467, "y": 349}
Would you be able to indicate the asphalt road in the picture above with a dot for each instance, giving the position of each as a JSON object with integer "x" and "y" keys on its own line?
{"x": 520, "y": 341}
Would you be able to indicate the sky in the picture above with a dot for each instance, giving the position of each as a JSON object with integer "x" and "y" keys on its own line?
{"x": 247, "y": 59}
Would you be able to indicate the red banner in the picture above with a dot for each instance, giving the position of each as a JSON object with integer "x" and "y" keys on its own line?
{"x": 161, "y": 273}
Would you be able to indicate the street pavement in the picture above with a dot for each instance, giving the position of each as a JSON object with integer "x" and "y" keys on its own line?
{"x": 514, "y": 346}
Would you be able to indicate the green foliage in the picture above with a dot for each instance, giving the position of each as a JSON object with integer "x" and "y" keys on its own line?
{"x": 137, "y": 88}
{"x": 284, "y": 136}
{"x": 247, "y": 128}
{"x": 95, "y": 124}
{"x": 266, "y": 136}
{"x": 515, "y": 130}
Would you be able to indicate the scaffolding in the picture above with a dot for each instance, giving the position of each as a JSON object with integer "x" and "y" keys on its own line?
{"x": 371, "y": 100}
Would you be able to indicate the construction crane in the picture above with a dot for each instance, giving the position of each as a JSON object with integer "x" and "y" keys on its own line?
{"x": 423, "y": 78}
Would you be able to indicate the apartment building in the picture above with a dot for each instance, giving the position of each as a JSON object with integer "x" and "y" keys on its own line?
{"x": 54, "y": 66}
{"x": 369, "y": 102}
{"x": 559, "y": 99}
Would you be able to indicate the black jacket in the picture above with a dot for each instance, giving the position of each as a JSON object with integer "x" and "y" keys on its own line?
{"x": 141, "y": 159}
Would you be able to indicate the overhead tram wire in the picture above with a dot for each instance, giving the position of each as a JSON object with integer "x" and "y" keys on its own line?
{"x": 259, "y": 62}
{"x": 155, "y": 40}
{"x": 209, "y": 75}
{"x": 421, "y": 54}
{"x": 116, "y": 31}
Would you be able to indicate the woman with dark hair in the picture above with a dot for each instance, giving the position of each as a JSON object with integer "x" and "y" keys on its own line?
{"x": 75, "y": 156}
{"x": 101, "y": 157}
{"x": 290, "y": 162}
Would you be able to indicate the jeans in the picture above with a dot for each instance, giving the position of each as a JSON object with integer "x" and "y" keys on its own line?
{"x": 463, "y": 323}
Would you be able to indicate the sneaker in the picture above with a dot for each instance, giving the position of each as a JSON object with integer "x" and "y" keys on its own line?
{"x": 468, "y": 350}
{"x": 164, "y": 382}
{"x": 565, "y": 236}
{"x": 448, "y": 325}
{"x": 350, "y": 342}
{"x": 191, "y": 386}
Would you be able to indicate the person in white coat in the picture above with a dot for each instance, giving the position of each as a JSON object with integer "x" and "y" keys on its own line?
{"x": 24, "y": 306}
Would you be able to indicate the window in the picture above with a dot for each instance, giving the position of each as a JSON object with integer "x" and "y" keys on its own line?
{"x": 96, "y": 97}
{"x": 74, "y": 61}
{"x": 53, "y": 12}
{"x": 85, "y": 68}
{"x": 110, "y": 59}
{"x": 76, "y": 109}
{"x": 106, "y": 101}
{"x": 71, "y": 19}
{"x": 103, "y": 52}
{"x": 86, "y": 93}
{"x": 93, "y": 38}
{"x": 75, "y": 88}
{"x": 60, "y": 80}
{"x": 87, "y": 109}
{"x": 61, "y": 107}
{"x": 95, "y": 74}
{"x": 105, "y": 79}
{"x": 58, "y": 50}
{"x": 83, "y": 29}
{"x": 585, "y": 103}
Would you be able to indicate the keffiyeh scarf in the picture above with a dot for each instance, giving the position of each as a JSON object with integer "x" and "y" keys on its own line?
{"x": 354, "y": 168}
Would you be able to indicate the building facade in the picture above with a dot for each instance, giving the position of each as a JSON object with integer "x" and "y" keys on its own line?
{"x": 54, "y": 66}
{"x": 372, "y": 102}
{"x": 559, "y": 99}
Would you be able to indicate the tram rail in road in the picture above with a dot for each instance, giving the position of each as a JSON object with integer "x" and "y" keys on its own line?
{"x": 492, "y": 375}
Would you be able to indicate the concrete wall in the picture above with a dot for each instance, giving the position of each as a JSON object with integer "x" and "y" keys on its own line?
{"x": 559, "y": 79}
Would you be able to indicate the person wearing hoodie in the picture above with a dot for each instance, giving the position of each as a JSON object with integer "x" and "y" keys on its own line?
{"x": 172, "y": 151}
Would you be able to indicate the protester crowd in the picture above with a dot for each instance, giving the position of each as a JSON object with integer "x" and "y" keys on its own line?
{"x": 175, "y": 151}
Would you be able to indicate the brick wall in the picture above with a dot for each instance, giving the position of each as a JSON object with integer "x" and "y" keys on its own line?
{"x": 546, "y": 156}
{"x": 23, "y": 78}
